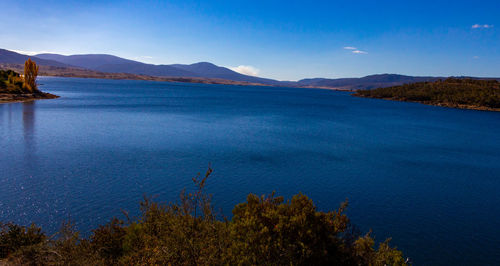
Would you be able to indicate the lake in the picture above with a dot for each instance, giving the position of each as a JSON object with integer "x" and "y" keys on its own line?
{"x": 429, "y": 177}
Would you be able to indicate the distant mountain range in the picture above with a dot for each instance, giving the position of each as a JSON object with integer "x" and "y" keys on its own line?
{"x": 368, "y": 82}
{"x": 103, "y": 63}
{"x": 114, "y": 64}
{"x": 16, "y": 58}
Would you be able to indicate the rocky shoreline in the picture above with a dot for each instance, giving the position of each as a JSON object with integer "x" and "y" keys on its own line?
{"x": 448, "y": 105}
{"x": 25, "y": 97}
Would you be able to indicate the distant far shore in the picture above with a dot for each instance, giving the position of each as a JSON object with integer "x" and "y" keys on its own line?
{"x": 329, "y": 88}
{"x": 52, "y": 71}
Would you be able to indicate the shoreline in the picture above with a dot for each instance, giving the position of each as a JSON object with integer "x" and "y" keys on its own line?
{"x": 25, "y": 97}
{"x": 328, "y": 88}
{"x": 51, "y": 71}
{"x": 61, "y": 72}
{"x": 446, "y": 105}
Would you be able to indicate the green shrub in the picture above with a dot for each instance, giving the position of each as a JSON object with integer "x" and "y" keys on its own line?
{"x": 12, "y": 82}
{"x": 264, "y": 230}
{"x": 13, "y": 237}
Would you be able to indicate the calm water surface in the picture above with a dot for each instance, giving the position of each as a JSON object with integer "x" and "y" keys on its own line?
{"x": 427, "y": 176}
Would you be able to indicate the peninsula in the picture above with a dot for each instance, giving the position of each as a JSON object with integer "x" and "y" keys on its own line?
{"x": 463, "y": 93}
{"x": 17, "y": 88}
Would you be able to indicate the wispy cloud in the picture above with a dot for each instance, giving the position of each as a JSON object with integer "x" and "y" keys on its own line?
{"x": 246, "y": 70}
{"x": 482, "y": 26}
{"x": 354, "y": 50}
{"x": 475, "y": 57}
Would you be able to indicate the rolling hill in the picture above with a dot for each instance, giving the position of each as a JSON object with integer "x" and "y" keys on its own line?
{"x": 7, "y": 56}
{"x": 368, "y": 82}
{"x": 114, "y": 64}
{"x": 104, "y": 66}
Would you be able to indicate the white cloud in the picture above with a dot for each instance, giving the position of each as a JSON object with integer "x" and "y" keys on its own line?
{"x": 483, "y": 26}
{"x": 246, "y": 70}
{"x": 31, "y": 52}
{"x": 475, "y": 57}
{"x": 354, "y": 50}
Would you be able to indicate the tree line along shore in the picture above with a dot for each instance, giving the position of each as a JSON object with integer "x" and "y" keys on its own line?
{"x": 464, "y": 93}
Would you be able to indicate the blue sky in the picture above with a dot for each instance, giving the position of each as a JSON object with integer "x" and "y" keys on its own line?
{"x": 286, "y": 40}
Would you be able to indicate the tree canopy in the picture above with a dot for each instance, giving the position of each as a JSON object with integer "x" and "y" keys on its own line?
{"x": 30, "y": 74}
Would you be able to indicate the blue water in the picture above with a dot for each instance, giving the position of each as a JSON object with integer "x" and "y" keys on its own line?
{"x": 429, "y": 177}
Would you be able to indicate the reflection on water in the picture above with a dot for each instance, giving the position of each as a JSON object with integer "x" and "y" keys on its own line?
{"x": 426, "y": 176}
{"x": 29, "y": 120}
{"x": 29, "y": 131}
{"x": 6, "y": 115}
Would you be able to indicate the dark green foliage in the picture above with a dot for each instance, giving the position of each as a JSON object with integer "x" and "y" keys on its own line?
{"x": 5, "y": 74}
{"x": 453, "y": 92}
{"x": 107, "y": 240}
{"x": 264, "y": 230}
{"x": 185, "y": 233}
{"x": 11, "y": 82}
{"x": 269, "y": 231}
{"x": 13, "y": 237}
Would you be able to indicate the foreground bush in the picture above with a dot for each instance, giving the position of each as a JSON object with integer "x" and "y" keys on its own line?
{"x": 264, "y": 230}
